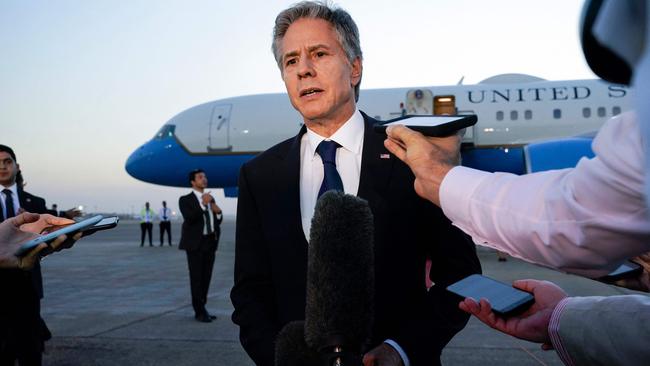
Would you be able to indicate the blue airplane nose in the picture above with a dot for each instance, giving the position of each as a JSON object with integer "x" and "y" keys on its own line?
{"x": 139, "y": 163}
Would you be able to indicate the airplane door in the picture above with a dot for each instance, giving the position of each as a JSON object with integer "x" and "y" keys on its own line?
{"x": 219, "y": 133}
{"x": 419, "y": 101}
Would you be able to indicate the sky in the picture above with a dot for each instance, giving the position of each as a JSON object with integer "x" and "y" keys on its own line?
{"x": 84, "y": 83}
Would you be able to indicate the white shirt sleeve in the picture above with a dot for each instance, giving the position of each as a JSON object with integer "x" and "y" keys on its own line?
{"x": 584, "y": 220}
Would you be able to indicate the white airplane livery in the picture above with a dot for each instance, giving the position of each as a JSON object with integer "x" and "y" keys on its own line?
{"x": 524, "y": 124}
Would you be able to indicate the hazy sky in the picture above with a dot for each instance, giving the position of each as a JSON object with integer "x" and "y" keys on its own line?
{"x": 84, "y": 83}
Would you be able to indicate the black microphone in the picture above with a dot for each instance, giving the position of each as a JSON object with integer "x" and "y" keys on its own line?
{"x": 291, "y": 349}
{"x": 340, "y": 279}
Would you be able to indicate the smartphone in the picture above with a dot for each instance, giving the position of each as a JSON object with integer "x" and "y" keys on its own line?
{"x": 105, "y": 224}
{"x": 437, "y": 126}
{"x": 505, "y": 299}
{"x": 628, "y": 269}
{"x": 50, "y": 236}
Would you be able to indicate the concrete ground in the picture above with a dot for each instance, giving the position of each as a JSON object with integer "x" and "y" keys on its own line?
{"x": 109, "y": 301}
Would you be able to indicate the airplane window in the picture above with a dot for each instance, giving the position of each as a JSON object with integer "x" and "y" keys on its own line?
{"x": 586, "y": 112}
{"x": 528, "y": 114}
{"x": 557, "y": 113}
{"x": 616, "y": 111}
{"x": 165, "y": 131}
{"x": 601, "y": 112}
{"x": 514, "y": 115}
{"x": 500, "y": 116}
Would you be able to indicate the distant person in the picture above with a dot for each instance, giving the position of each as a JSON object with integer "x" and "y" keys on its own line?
{"x": 55, "y": 210}
{"x": 165, "y": 215}
{"x": 146, "y": 223}
{"x": 200, "y": 239}
{"x": 22, "y": 331}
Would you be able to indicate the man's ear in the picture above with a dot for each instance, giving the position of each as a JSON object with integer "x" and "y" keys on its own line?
{"x": 357, "y": 70}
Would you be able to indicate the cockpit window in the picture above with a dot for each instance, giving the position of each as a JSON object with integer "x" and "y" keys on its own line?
{"x": 165, "y": 132}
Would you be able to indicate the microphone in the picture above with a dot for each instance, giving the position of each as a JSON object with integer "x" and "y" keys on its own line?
{"x": 291, "y": 349}
{"x": 340, "y": 279}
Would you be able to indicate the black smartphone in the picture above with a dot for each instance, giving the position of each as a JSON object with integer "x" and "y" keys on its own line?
{"x": 504, "y": 299}
{"x": 49, "y": 236}
{"x": 429, "y": 125}
{"x": 628, "y": 269}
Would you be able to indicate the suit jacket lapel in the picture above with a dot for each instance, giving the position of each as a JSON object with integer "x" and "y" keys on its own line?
{"x": 376, "y": 164}
{"x": 25, "y": 202}
{"x": 289, "y": 188}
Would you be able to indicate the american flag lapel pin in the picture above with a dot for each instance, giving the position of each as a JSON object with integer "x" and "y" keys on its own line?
{"x": 384, "y": 156}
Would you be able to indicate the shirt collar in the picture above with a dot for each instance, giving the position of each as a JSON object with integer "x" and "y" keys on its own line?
{"x": 349, "y": 135}
{"x": 13, "y": 188}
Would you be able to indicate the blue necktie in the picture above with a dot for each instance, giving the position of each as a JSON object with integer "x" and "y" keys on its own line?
{"x": 9, "y": 203}
{"x": 331, "y": 178}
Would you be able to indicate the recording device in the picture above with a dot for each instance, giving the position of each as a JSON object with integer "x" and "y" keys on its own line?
{"x": 429, "y": 125}
{"x": 50, "y": 236}
{"x": 628, "y": 269}
{"x": 504, "y": 299}
{"x": 340, "y": 279}
{"x": 291, "y": 349}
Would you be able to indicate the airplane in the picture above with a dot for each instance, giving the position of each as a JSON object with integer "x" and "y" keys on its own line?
{"x": 525, "y": 124}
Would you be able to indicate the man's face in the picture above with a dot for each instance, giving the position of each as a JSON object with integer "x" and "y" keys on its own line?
{"x": 8, "y": 169}
{"x": 200, "y": 181}
{"x": 319, "y": 78}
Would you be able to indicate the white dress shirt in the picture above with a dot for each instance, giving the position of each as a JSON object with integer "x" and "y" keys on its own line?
{"x": 210, "y": 213}
{"x": 348, "y": 164}
{"x": 14, "y": 195}
{"x": 585, "y": 220}
{"x": 164, "y": 212}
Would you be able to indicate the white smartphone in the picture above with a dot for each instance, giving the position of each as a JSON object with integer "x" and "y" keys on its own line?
{"x": 437, "y": 126}
{"x": 49, "y": 237}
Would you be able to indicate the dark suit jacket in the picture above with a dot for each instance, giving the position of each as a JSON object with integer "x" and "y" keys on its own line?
{"x": 20, "y": 320}
{"x": 271, "y": 254}
{"x": 193, "y": 223}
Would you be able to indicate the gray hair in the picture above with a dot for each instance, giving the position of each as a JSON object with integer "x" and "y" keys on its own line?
{"x": 345, "y": 28}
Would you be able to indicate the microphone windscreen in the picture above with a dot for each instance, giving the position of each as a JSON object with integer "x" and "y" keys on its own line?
{"x": 291, "y": 349}
{"x": 340, "y": 273}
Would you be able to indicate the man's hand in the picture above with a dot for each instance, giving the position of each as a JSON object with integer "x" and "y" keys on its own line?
{"x": 382, "y": 355}
{"x": 20, "y": 229}
{"x": 207, "y": 198}
{"x": 430, "y": 158}
{"x": 642, "y": 282}
{"x": 532, "y": 325}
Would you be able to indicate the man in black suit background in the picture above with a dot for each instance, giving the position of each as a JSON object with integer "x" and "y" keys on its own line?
{"x": 200, "y": 238}
{"x": 22, "y": 331}
{"x": 318, "y": 52}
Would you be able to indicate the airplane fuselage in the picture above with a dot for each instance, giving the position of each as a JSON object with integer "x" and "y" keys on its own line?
{"x": 220, "y": 135}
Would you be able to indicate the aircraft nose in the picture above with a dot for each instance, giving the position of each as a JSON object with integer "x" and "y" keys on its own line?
{"x": 137, "y": 163}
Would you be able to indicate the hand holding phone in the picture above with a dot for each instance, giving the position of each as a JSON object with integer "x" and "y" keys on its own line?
{"x": 51, "y": 236}
{"x": 504, "y": 299}
{"x": 532, "y": 324}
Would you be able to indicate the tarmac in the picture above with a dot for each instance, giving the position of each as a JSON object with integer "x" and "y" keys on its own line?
{"x": 109, "y": 301}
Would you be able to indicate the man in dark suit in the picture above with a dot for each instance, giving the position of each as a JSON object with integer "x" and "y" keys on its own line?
{"x": 22, "y": 331}
{"x": 200, "y": 238}
{"x": 317, "y": 50}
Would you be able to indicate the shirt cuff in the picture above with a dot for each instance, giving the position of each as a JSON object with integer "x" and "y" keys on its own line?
{"x": 456, "y": 192}
{"x": 402, "y": 354}
{"x": 554, "y": 332}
